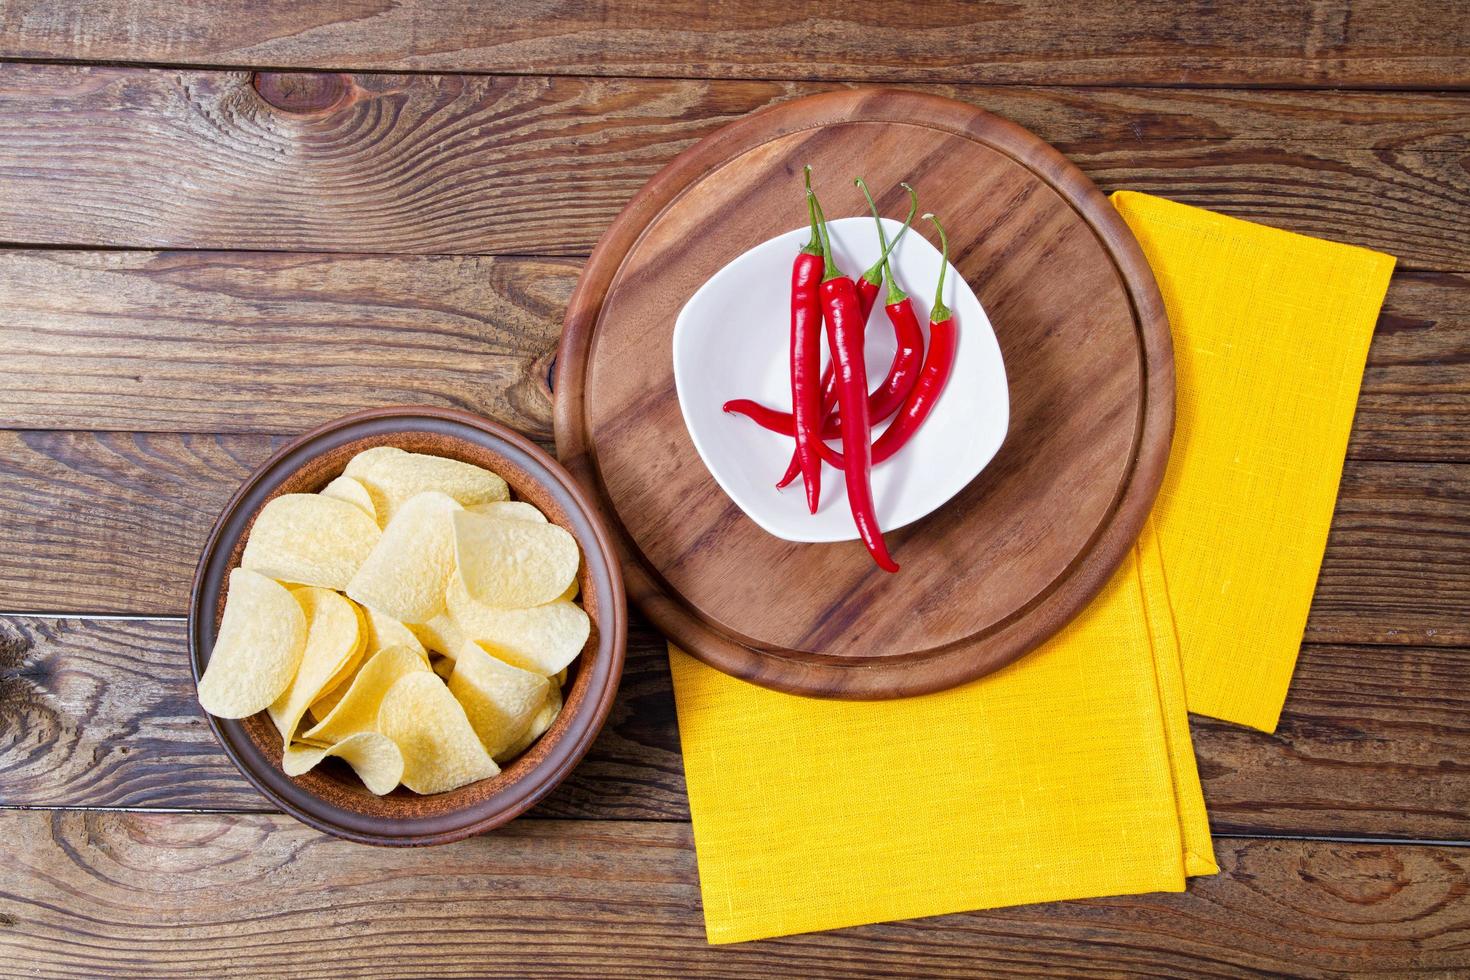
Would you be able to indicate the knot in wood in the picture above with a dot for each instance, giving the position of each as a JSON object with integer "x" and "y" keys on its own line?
{"x": 303, "y": 93}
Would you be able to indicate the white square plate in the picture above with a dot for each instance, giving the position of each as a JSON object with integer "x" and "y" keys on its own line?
{"x": 732, "y": 340}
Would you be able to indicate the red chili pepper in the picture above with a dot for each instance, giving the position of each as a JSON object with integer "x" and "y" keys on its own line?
{"x": 866, "y": 298}
{"x": 845, "y": 338}
{"x": 783, "y": 422}
{"x": 867, "y": 292}
{"x": 889, "y": 395}
{"x": 943, "y": 339}
{"x": 938, "y": 363}
{"x": 806, "y": 354}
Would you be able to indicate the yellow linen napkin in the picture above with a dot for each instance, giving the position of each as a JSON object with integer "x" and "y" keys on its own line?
{"x": 1271, "y": 331}
{"x": 1066, "y": 775}
{"x": 1069, "y": 774}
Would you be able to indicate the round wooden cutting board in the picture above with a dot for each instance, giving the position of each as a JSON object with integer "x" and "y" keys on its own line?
{"x": 1009, "y": 560}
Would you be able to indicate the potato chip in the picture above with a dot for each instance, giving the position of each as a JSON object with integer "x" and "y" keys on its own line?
{"x": 511, "y": 510}
{"x": 332, "y": 637}
{"x": 560, "y": 677}
{"x": 349, "y": 667}
{"x": 348, "y": 489}
{"x": 541, "y": 639}
{"x": 342, "y": 680}
{"x": 384, "y": 631}
{"x": 570, "y": 592}
{"x": 547, "y": 716}
{"x": 370, "y": 458}
{"x": 323, "y": 705}
{"x": 540, "y": 722}
{"x": 261, "y": 640}
{"x": 406, "y": 575}
{"x": 310, "y": 539}
{"x": 443, "y": 666}
{"x": 513, "y": 564}
{"x": 357, "y": 711}
{"x": 500, "y": 700}
{"x": 440, "y": 634}
{"x": 440, "y": 750}
{"x": 392, "y": 477}
{"x": 375, "y": 758}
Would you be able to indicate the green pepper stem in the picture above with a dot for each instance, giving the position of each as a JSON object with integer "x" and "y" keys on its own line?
{"x": 814, "y": 246}
{"x": 873, "y": 275}
{"x": 830, "y": 264}
{"x": 939, "y": 312}
{"x": 875, "y": 272}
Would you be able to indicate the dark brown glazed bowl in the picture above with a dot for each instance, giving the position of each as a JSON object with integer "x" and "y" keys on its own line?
{"x": 330, "y": 797}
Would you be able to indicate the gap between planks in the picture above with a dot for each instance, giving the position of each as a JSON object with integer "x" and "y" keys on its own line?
{"x": 1402, "y": 267}
{"x": 146, "y": 618}
{"x": 533, "y": 815}
{"x": 1239, "y": 84}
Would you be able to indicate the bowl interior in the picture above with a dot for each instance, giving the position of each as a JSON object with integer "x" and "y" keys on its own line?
{"x": 732, "y": 340}
{"x": 331, "y": 797}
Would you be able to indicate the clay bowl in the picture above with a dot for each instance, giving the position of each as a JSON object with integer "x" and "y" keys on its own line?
{"x": 330, "y": 798}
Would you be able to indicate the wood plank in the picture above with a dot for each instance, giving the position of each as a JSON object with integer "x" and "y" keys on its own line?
{"x": 272, "y": 342}
{"x": 101, "y": 712}
{"x": 266, "y": 342}
{"x": 187, "y": 895}
{"x": 1374, "y": 741}
{"x": 113, "y": 523}
{"x": 1415, "y": 399}
{"x": 1337, "y": 42}
{"x": 1370, "y": 583}
{"x": 500, "y": 165}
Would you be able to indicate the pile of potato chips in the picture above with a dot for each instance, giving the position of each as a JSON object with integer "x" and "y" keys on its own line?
{"x": 409, "y": 619}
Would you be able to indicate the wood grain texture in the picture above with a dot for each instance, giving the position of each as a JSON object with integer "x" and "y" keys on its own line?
{"x": 1330, "y": 42}
{"x": 186, "y": 895}
{"x": 1088, "y": 360}
{"x": 218, "y": 342}
{"x": 101, "y": 712}
{"x": 1372, "y": 742}
{"x": 252, "y": 341}
{"x": 1379, "y": 504}
{"x": 1415, "y": 398}
{"x": 114, "y": 523}
{"x": 497, "y": 165}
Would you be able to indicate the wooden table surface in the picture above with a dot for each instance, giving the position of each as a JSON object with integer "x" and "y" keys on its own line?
{"x": 223, "y": 223}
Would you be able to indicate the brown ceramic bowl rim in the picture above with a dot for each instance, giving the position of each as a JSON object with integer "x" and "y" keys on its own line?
{"x": 580, "y": 729}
